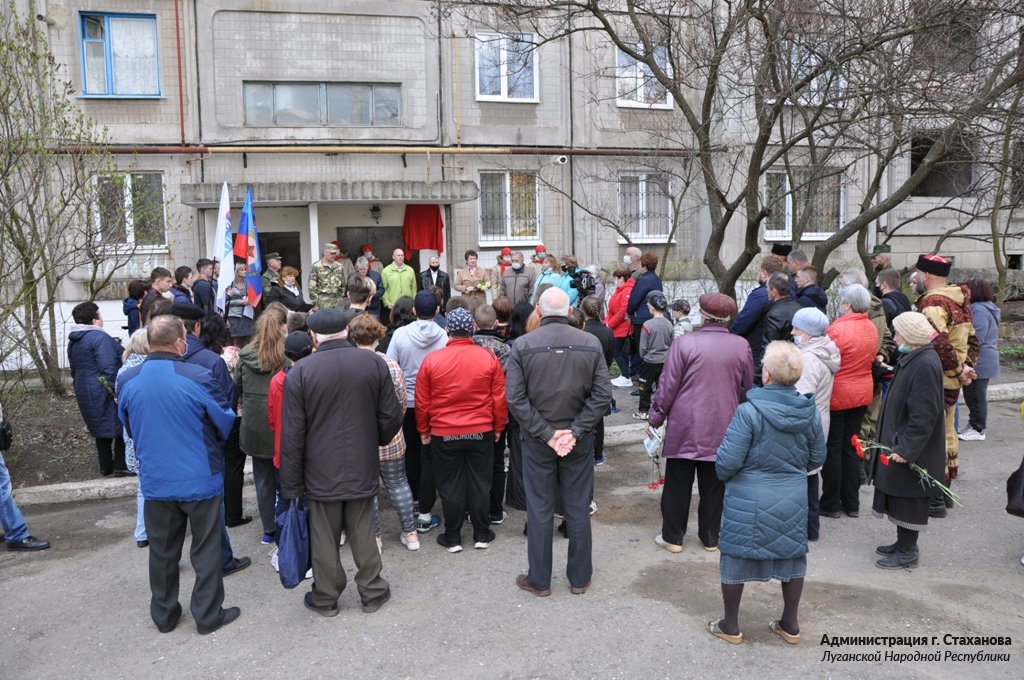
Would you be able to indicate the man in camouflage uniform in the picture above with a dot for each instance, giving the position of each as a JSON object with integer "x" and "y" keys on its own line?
{"x": 327, "y": 280}
{"x": 273, "y": 271}
{"x": 948, "y": 309}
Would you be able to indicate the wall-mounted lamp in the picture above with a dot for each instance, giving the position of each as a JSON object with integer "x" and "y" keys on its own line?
{"x": 375, "y": 213}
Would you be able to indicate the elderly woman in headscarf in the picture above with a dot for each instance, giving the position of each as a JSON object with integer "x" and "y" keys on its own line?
{"x": 913, "y": 425}
{"x": 821, "y": 362}
{"x": 773, "y": 441}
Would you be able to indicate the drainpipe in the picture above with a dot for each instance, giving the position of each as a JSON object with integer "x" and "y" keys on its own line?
{"x": 384, "y": 150}
{"x": 181, "y": 87}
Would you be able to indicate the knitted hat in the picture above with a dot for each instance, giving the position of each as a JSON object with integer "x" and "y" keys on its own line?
{"x": 366, "y": 248}
{"x": 506, "y": 251}
{"x": 716, "y": 306}
{"x": 782, "y": 249}
{"x": 933, "y": 264}
{"x": 914, "y": 328}
{"x": 540, "y": 249}
{"x": 460, "y": 322}
{"x": 810, "y": 320}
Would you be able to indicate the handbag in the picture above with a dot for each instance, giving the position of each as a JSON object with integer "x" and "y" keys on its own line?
{"x": 6, "y": 435}
{"x": 293, "y": 543}
{"x": 1015, "y": 492}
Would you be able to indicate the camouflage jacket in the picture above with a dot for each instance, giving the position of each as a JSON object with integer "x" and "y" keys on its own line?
{"x": 327, "y": 284}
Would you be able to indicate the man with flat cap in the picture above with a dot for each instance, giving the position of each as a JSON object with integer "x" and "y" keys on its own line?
{"x": 223, "y": 390}
{"x": 706, "y": 376}
{"x": 338, "y": 394}
{"x": 947, "y": 308}
{"x": 327, "y": 279}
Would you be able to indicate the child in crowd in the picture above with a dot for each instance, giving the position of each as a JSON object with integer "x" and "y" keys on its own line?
{"x": 680, "y": 311}
{"x": 655, "y": 338}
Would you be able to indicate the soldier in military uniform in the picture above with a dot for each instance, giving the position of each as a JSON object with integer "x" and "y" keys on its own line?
{"x": 327, "y": 280}
{"x": 273, "y": 273}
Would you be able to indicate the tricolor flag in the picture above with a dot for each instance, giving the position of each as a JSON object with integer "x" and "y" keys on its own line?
{"x": 223, "y": 253}
{"x": 247, "y": 247}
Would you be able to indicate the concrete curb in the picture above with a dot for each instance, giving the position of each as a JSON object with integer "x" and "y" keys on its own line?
{"x": 102, "y": 489}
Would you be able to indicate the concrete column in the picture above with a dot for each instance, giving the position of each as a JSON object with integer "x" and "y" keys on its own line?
{"x": 315, "y": 242}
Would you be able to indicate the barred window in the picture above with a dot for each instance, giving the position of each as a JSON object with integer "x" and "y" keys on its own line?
{"x": 509, "y": 207}
{"x": 131, "y": 209}
{"x": 805, "y": 200}
{"x": 645, "y": 205}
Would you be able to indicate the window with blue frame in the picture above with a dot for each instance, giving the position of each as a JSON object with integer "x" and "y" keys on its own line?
{"x": 120, "y": 56}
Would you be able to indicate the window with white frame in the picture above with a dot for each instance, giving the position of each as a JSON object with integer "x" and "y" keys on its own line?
{"x": 322, "y": 104}
{"x": 645, "y": 205}
{"x": 506, "y": 67}
{"x": 636, "y": 85}
{"x": 809, "y": 200}
{"x": 120, "y": 56}
{"x": 509, "y": 206}
{"x": 130, "y": 209}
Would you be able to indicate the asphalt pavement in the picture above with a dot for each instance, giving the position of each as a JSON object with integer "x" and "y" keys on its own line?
{"x": 81, "y": 609}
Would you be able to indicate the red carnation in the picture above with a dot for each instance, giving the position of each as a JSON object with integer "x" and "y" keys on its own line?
{"x": 857, "y": 445}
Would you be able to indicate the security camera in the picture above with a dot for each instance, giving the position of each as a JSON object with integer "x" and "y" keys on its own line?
{"x": 46, "y": 20}
{"x": 562, "y": 160}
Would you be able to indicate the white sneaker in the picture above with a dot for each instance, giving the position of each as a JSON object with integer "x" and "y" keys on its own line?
{"x": 412, "y": 542}
{"x": 309, "y": 574}
{"x": 622, "y": 381}
{"x": 341, "y": 541}
{"x": 593, "y": 507}
{"x": 273, "y": 560}
{"x": 971, "y": 435}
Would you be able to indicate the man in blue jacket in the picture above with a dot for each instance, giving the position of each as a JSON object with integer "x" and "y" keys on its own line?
{"x": 179, "y": 432}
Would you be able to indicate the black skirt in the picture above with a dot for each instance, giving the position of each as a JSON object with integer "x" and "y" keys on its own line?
{"x": 909, "y": 513}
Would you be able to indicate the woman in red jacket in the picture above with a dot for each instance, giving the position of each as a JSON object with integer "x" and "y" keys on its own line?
{"x": 857, "y": 339}
{"x": 618, "y": 320}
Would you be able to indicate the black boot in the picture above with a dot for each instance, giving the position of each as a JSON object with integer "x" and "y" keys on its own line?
{"x": 936, "y": 506}
{"x": 885, "y": 550}
{"x": 904, "y": 555}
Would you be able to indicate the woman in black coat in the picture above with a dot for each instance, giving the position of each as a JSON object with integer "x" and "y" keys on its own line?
{"x": 912, "y": 424}
{"x": 286, "y": 291}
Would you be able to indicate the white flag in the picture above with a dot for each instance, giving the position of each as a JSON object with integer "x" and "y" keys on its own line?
{"x": 224, "y": 245}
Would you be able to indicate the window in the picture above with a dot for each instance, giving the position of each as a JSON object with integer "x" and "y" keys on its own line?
{"x": 506, "y": 68}
{"x": 810, "y": 201}
{"x": 636, "y": 85}
{"x": 131, "y": 209}
{"x": 645, "y": 206}
{"x": 827, "y": 88}
{"x": 119, "y": 56}
{"x": 509, "y": 207}
{"x": 322, "y": 104}
{"x": 951, "y": 175}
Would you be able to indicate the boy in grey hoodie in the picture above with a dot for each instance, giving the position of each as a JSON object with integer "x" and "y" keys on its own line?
{"x": 409, "y": 346}
{"x": 655, "y": 339}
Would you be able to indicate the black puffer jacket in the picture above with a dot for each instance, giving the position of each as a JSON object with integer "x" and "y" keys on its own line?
{"x": 339, "y": 406}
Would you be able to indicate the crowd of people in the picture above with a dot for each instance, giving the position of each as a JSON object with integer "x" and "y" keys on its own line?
{"x": 493, "y": 396}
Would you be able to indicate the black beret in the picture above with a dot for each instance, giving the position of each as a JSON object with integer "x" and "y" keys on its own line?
{"x": 782, "y": 249}
{"x": 186, "y": 311}
{"x": 329, "y": 321}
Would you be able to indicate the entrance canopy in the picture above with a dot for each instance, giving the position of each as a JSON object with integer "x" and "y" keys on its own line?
{"x": 207, "y": 194}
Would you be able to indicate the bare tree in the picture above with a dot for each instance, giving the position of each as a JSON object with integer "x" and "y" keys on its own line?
{"x": 51, "y": 167}
{"x": 790, "y": 105}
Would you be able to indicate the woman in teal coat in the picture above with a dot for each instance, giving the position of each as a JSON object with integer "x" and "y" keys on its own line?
{"x": 773, "y": 441}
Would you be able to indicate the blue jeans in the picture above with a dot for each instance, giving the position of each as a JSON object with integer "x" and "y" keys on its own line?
{"x": 10, "y": 516}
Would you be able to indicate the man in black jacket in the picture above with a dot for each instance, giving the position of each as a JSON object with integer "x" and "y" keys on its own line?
{"x": 433, "y": 276}
{"x": 557, "y": 390}
{"x": 778, "y": 323}
{"x": 338, "y": 407}
{"x": 894, "y": 302}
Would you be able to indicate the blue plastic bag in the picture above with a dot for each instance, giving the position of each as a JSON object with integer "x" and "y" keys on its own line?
{"x": 293, "y": 543}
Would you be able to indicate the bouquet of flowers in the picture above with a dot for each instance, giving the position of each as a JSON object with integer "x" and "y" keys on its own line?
{"x": 483, "y": 286}
{"x": 886, "y": 452}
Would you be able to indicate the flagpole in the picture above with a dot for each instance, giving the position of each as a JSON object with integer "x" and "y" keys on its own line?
{"x": 227, "y": 262}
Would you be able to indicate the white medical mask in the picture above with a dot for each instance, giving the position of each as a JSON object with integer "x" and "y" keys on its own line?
{"x": 625, "y": 259}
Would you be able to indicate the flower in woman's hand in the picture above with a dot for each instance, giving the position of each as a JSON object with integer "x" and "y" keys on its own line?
{"x": 858, "y": 446}
{"x": 885, "y": 459}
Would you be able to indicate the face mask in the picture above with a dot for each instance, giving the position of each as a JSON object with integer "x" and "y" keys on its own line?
{"x": 517, "y": 266}
{"x": 625, "y": 259}
{"x": 369, "y": 255}
{"x": 506, "y": 258}
{"x": 798, "y": 341}
{"x": 434, "y": 267}
{"x": 541, "y": 256}
{"x": 904, "y": 349}
{"x": 290, "y": 281}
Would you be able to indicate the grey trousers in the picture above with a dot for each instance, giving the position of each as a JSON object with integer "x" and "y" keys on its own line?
{"x": 165, "y": 527}
{"x": 569, "y": 480}
{"x": 326, "y": 521}
{"x": 264, "y": 477}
